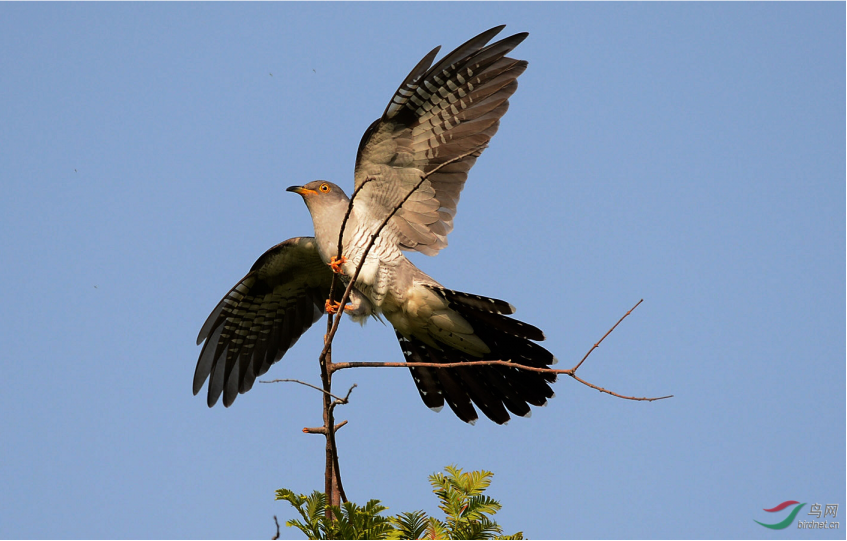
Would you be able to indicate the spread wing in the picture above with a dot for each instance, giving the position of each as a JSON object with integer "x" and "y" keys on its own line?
{"x": 261, "y": 318}
{"x": 437, "y": 115}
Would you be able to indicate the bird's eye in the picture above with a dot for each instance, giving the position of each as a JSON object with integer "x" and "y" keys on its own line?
{"x": 324, "y": 188}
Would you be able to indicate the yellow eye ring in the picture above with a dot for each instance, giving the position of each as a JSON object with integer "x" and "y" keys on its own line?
{"x": 324, "y": 188}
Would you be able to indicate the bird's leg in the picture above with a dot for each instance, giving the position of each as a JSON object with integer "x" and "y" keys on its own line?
{"x": 336, "y": 262}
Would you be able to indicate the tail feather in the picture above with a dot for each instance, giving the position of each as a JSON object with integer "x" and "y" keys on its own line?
{"x": 512, "y": 348}
{"x": 507, "y": 324}
{"x": 426, "y": 380}
{"x": 514, "y": 398}
{"x": 436, "y": 386}
{"x": 478, "y": 389}
{"x": 495, "y": 390}
{"x": 455, "y": 393}
{"x": 485, "y": 304}
{"x": 531, "y": 386}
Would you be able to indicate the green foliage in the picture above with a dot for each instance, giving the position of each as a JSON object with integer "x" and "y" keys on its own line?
{"x": 349, "y": 522}
{"x": 467, "y": 513}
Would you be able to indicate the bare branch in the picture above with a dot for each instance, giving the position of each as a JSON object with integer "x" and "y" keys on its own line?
{"x": 277, "y": 529}
{"x": 322, "y": 429}
{"x": 369, "y": 364}
{"x": 330, "y": 431}
{"x": 602, "y": 390}
{"x": 596, "y": 345}
{"x": 569, "y": 372}
{"x": 344, "y": 400}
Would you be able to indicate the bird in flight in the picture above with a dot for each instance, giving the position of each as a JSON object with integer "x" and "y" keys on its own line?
{"x": 434, "y": 128}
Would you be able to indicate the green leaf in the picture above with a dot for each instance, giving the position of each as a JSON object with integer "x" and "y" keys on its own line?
{"x": 408, "y": 525}
{"x": 467, "y": 512}
{"x": 435, "y": 529}
{"x": 311, "y": 509}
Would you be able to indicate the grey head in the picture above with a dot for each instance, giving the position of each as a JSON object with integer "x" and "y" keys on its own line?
{"x": 327, "y": 203}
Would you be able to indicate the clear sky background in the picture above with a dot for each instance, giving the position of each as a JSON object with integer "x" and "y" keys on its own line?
{"x": 692, "y": 155}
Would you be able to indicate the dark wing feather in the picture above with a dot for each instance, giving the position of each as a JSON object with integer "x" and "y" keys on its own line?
{"x": 261, "y": 317}
{"x": 436, "y": 115}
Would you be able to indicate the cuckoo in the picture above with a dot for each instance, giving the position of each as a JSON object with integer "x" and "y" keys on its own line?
{"x": 413, "y": 161}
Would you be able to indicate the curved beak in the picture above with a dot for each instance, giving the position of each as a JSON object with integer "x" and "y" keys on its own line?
{"x": 299, "y": 190}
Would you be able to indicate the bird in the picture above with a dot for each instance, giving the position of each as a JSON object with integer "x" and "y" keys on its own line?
{"x": 414, "y": 161}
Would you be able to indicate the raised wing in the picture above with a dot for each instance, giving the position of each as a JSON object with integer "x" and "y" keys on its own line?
{"x": 261, "y": 318}
{"x": 437, "y": 115}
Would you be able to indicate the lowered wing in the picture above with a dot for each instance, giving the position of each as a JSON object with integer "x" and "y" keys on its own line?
{"x": 261, "y": 318}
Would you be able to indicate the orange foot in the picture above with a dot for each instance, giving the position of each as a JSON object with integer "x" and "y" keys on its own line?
{"x": 336, "y": 262}
{"x": 332, "y": 307}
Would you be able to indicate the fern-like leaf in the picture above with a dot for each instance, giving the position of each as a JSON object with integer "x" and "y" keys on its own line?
{"x": 311, "y": 509}
{"x": 480, "y": 505}
{"x": 467, "y": 513}
{"x": 435, "y": 529}
{"x": 408, "y": 525}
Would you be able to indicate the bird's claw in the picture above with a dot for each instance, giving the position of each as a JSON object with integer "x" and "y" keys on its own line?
{"x": 336, "y": 262}
{"x": 333, "y": 307}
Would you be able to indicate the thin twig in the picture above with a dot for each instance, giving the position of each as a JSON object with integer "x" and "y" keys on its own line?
{"x": 306, "y": 384}
{"x": 597, "y": 344}
{"x": 346, "y": 398}
{"x": 277, "y": 529}
{"x": 602, "y": 390}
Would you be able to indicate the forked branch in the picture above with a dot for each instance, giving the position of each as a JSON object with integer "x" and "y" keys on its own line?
{"x": 315, "y": 387}
{"x": 569, "y": 372}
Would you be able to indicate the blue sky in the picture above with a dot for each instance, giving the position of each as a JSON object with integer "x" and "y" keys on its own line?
{"x": 692, "y": 155}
